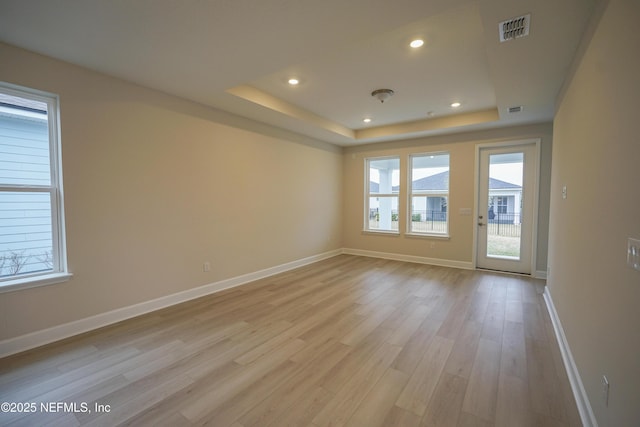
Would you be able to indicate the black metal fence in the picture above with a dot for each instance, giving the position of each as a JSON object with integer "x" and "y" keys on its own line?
{"x": 429, "y": 220}
{"x": 504, "y": 224}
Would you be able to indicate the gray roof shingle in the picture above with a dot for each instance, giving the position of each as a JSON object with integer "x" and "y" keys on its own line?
{"x": 440, "y": 182}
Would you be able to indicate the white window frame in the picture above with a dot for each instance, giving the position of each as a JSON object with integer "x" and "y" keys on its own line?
{"x": 504, "y": 205}
{"x": 411, "y": 193}
{"x": 368, "y": 195}
{"x": 59, "y": 272}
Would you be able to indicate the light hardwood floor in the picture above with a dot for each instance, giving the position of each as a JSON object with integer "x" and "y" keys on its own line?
{"x": 347, "y": 341}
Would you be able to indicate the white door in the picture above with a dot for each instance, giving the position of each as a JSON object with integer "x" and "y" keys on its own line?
{"x": 506, "y": 207}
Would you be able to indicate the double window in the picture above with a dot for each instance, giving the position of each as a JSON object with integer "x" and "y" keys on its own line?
{"x": 502, "y": 204}
{"x": 31, "y": 215}
{"x": 427, "y": 194}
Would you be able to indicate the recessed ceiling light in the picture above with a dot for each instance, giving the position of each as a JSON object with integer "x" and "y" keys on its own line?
{"x": 367, "y": 120}
{"x": 455, "y": 105}
{"x": 416, "y": 43}
{"x": 293, "y": 81}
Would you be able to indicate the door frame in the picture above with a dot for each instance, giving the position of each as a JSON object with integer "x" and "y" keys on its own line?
{"x": 536, "y": 196}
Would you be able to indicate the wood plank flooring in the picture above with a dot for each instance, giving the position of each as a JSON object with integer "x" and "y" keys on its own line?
{"x": 349, "y": 341}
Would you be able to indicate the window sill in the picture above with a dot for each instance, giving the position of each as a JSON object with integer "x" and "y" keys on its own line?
{"x": 429, "y": 236}
{"x": 34, "y": 281}
{"x": 382, "y": 232}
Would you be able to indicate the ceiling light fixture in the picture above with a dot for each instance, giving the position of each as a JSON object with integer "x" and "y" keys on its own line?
{"x": 293, "y": 81}
{"x": 367, "y": 120}
{"x": 455, "y": 105}
{"x": 416, "y": 43}
{"x": 382, "y": 94}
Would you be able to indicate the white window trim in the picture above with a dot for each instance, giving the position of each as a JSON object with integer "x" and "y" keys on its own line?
{"x": 428, "y": 236}
{"x": 34, "y": 281}
{"x": 59, "y": 272}
{"x": 367, "y": 196}
{"x": 411, "y": 193}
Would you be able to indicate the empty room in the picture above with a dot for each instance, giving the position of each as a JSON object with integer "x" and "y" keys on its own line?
{"x": 359, "y": 213}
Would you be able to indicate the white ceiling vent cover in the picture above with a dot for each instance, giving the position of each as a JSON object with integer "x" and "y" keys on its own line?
{"x": 514, "y": 28}
{"x": 515, "y": 109}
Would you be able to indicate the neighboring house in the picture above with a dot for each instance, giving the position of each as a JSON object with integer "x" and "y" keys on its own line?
{"x": 504, "y": 198}
{"x": 504, "y": 202}
{"x": 430, "y": 207}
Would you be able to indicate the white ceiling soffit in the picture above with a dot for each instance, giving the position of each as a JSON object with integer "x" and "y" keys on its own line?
{"x": 237, "y": 55}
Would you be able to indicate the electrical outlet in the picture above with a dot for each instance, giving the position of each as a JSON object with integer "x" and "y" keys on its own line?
{"x": 633, "y": 253}
{"x": 206, "y": 266}
{"x": 605, "y": 390}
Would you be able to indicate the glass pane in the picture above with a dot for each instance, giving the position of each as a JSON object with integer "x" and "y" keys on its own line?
{"x": 384, "y": 176}
{"x": 383, "y": 213}
{"x": 25, "y": 233}
{"x": 24, "y": 142}
{"x": 430, "y": 173}
{"x": 505, "y": 205}
{"x": 428, "y": 214}
{"x": 429, "y": 193}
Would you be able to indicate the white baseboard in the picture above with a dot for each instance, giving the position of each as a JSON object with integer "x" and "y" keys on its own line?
{"x": 410, "y": 258}
{"x": 584, "y": 406}
{"x": 36, "y": 339}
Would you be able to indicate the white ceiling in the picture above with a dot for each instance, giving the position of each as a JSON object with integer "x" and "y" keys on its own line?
{"x": 237, "y": 55}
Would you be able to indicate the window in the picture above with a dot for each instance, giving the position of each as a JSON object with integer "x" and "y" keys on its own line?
{"x": 31, "y": 216}
{"x": 502, "y": 204}
{"x": 383, "y": 183}
{"x": 429, "y": 193}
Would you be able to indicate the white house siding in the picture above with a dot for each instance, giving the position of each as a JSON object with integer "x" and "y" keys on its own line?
{"x": 25, "y": 217}
{"x": 513, "y": 202}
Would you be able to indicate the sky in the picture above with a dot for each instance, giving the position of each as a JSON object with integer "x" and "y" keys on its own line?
{"x": 509, "y": 172}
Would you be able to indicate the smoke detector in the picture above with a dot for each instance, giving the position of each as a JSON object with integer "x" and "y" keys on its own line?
{"x": 514, "y": 28}
{"x": 382, "y": 94}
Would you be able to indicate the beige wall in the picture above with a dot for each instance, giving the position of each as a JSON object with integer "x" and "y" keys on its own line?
{"x": 462, "y": 149}
{"x": 155, "y": 186}
{"x": 596, "y": 154}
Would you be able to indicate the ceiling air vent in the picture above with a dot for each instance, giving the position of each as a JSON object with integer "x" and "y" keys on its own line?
{"x": 516, "y": 109}
{"x": 514, "y": 28}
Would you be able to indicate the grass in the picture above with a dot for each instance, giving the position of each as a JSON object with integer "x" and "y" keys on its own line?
{"x": 503, "y": 246}
{"x": 497, "y": 245}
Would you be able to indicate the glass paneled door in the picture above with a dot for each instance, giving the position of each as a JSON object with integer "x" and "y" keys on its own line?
{"x": 506, "y": 200}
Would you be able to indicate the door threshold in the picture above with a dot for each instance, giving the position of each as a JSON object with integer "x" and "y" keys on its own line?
{"x": 513, "y": 273}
